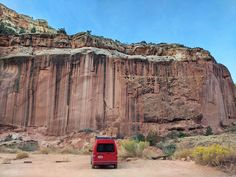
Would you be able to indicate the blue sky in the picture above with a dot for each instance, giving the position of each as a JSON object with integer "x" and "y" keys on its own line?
{"x": 210, "y": 24}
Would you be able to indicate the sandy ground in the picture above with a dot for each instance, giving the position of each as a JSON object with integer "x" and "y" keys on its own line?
{"x": 79, "y": 166}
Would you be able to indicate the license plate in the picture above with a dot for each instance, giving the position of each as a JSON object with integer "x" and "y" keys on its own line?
{"x": 100, "y": 156}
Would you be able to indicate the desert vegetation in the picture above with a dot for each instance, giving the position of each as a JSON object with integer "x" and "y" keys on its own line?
{"x": 4, "y": 30}
{"x": 212, "y": 155}
{"x": 132, "y": 148}
{"x": 212, "y": 150}
{"x": 21, "y": 155}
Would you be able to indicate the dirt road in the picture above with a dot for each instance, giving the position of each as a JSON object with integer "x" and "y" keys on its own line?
{"x": 79, "y": 166}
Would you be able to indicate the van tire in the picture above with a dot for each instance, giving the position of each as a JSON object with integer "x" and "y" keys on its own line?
{"x": 93, "y": 166}
{"x": 115, "y": 166}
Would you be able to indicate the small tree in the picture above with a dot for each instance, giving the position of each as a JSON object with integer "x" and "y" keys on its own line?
{"x": 153, "y": 138}
{"x": 139, "y": 137}
{"x": 33, "y": 30}
{"x": 22, "y": 30}
{"x": 2, "y": 26}
{"x": 209, "y": 131}
{"x": 62, "y": 31}
{"x": 6, "y": 30}
{"x": 89, "y": 32}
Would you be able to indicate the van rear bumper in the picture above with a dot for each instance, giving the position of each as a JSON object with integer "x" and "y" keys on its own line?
{"x": 104, "y": 162}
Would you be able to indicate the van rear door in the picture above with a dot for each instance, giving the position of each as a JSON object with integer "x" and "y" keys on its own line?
{"x": 106, "y": 152}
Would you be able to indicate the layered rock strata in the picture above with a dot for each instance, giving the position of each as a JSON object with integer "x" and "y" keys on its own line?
{"x": 71, "y": 83}
{"x": 23, "y": 23}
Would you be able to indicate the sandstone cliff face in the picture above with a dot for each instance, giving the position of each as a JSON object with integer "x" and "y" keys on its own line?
{"x": 15, "y": 21}
{"x": 70, "y": 83}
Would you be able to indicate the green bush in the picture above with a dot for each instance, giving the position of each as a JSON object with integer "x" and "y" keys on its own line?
{"x": 231, "y": 129}
{"x": 22, "y": 30}
{"x": 132, "y": 148}
{"x": 182, "y": 134}
{"x": 62, "y": 31}
{"x": 86, "y": 130}
{"x": 209, "y": 131}
{"x": 175, "y": 134}
{"x": 33, "y": 30}
{"x": 4, "y": 30}
{"x": 30, "y": 145}
{"x": 153, "y": 138}
{"x": 167, "y": 149}
{"x": 89, "y": 32}
{"x": 139, "y": 137}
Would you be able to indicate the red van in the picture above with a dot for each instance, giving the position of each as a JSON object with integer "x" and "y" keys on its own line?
{"x": 104, "y": 152}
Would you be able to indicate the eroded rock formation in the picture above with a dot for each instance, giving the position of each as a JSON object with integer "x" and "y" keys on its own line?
{"x": 70, "y": 83}
{"x": 22, "y": 23}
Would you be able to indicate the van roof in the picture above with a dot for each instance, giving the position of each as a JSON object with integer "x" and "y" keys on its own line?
{"x": 104, "y": 137}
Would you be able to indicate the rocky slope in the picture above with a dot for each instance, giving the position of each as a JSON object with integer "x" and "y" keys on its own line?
{"x": 20, "y": 23}
{"x": 71, "y": 83}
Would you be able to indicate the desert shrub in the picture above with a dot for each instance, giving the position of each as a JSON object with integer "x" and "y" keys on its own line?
{"x": 139, "y": 137}
{"x": 140, "y": 147}
{"x": 211, "y": 155}
{"x": 167, "y": 149}
{"x": 183, "y": 153}
{"x": 33, "y": 30}
{"x": 209, "y": 131}
{"x": 231, "y": 129}
{"x": 86, "y": 130}
{"x": 4, "y": 149}
{"x": 132, "y": 148}
{"x": 129, "y": 147}
{"x": 62, "y": 31}
{"x": 22, "y": 30}
{"x": 120, "y": 136}
{"x": 228, "y": 162}
{"x": 172, "y": 135}
{"x": 153, "y": 138}
{"x": 226, "y": 140}
{"x": 86, "y": 149}
{"x": 89, "y": 32}
{"x": 175, "y": 134}
{"x": 45, "y": 150}
{"x": 143, "y": 42}
{"x": 6, "y": 30}
{"x": 182, "y": 134}
{"x": 29, "y": 146}
{"x": 22, "y": 155}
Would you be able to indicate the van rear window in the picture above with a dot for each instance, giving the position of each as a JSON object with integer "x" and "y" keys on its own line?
{"x": 105, "y": 148}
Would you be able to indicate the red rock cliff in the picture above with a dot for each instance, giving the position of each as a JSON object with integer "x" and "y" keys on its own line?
{"x": 70, "y": 83}
{"x": 20, "y": 23}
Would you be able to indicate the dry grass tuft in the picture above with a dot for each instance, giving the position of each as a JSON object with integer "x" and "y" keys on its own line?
{"x": 45, "y": 150}
{"x": 22, "y": 155}
{"x": 183, "y": 154}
